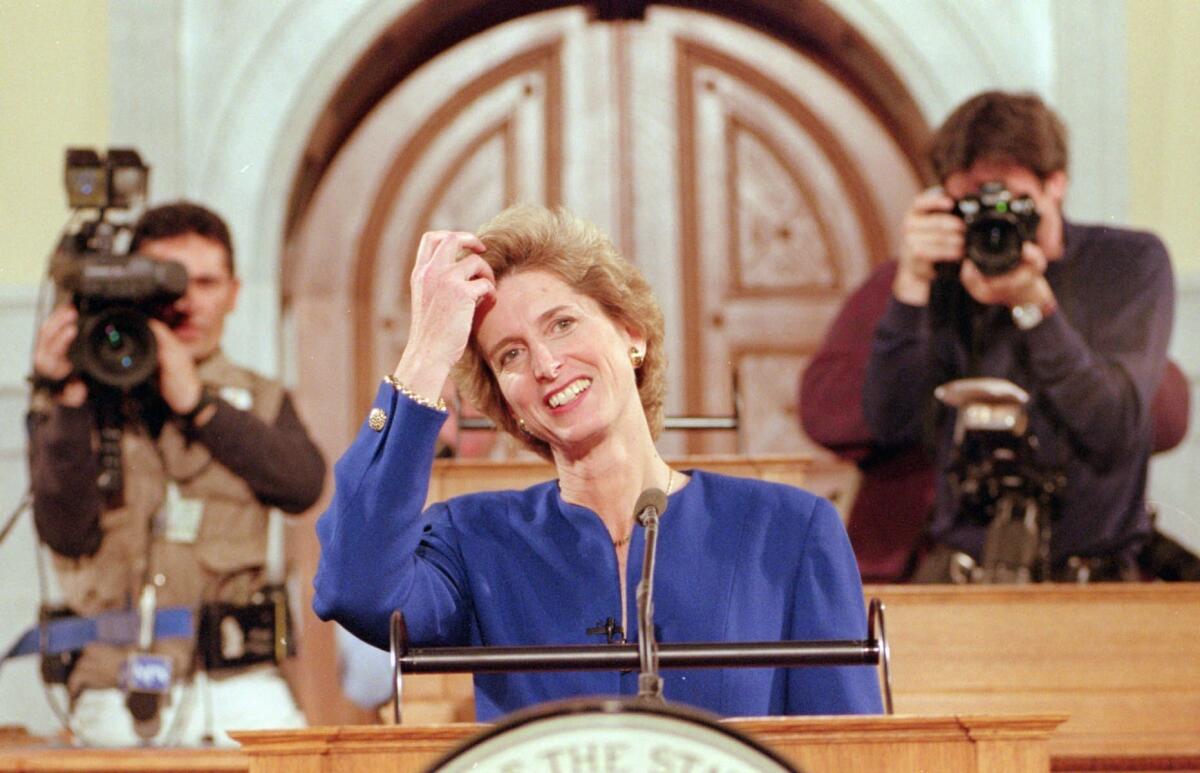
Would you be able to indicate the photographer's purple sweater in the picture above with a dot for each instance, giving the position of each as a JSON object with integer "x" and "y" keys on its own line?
{"x": 1091, "y": 369}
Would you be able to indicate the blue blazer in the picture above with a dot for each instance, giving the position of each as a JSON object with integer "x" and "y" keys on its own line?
{"x": 737, "y": 560}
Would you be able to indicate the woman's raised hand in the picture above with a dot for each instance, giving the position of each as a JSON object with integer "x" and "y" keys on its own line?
{"x": 449, "y": 280}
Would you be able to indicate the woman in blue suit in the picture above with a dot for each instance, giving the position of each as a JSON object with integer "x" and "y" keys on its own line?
{"x": 559, "y": 341}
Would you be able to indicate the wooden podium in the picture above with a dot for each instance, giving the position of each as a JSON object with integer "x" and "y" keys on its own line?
{"x": 897, "y": 744}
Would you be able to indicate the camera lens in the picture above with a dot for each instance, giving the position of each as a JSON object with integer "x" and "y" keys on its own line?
{"x": 994, "y": 245}
{"x": 117, "y": 347}
{"x": 993, "y": 239}
{"x": 997, "y": 225}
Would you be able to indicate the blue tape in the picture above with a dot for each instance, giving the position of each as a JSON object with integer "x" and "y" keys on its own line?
{"x": 65, "y": 634}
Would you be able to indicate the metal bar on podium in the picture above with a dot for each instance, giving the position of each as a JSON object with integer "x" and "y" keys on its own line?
{"x": 871, "y": 651}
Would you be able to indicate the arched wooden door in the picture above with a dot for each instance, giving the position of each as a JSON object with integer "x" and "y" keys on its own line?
{"x": 752, "y": 186}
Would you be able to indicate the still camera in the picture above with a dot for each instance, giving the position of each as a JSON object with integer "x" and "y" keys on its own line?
{"x": 998, "y": 223}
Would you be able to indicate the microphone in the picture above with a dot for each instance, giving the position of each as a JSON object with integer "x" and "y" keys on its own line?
{"x": 146, "y": 678}
{"x": 650, "y": 504}
{"x": 650, "y": 499}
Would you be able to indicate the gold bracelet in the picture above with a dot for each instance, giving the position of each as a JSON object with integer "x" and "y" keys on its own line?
{"x": 440, "y": 405}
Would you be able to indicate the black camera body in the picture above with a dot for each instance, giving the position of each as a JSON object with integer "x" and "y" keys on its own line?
{"x": 997, "y": 225}
{"x": 116, "y": 293}
{"x": 116, "y": 297}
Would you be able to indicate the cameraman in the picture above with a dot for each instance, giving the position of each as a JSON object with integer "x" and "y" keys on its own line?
{"x": 205, "y": 454}
{"x": 1081, "y": 322}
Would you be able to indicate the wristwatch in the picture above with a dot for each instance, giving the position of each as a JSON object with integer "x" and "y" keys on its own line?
{"x": 1027, "y": 316}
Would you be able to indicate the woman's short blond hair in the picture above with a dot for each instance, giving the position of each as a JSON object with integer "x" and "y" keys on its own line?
{"x": 532, "y": 238}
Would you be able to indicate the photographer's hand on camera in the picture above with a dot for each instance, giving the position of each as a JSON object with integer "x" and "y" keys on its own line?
{"x": 1024, "y": 285}
{"x": 178, "y": 381}
{"x": 51, "y": 363}
{"x": 932, "y": 234}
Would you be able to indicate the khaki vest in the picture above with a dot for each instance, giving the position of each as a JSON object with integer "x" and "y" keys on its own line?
{"x": 225, "y": 562}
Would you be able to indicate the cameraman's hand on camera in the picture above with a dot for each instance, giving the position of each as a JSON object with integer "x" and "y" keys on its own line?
{"x": 932, "y": 234}
{"x": 449, "y": 281}
{"x": 178, "y": 381}
{"x": 1025, "y": 284}
{"x": 50, "y": 360}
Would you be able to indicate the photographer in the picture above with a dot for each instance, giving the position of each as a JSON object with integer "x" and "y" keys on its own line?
{"x": 1080, "y": 320}
{"x": 207, "y": 448}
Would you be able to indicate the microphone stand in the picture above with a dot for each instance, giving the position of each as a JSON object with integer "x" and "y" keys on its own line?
{"x": 650, "y": 684}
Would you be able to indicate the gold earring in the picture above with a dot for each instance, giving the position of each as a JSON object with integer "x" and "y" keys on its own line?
{"x": 636, "y": 357}
{"x": 521, "y": 424}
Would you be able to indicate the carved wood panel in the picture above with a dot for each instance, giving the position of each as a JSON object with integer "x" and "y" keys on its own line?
{"x": 782, "y": 214}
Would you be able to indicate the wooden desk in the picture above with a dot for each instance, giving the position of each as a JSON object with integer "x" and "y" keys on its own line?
{"x": 42, "y": 760}
{"x": 827, "y": 744}
{"x": 1122, "y": 660}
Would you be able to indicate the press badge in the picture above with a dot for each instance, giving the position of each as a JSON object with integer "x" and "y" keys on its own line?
{"x": 182, "y": 516}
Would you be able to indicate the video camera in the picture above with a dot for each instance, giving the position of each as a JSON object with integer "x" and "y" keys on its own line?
{"x": 116, "y": 293}
{"x": 999, "y": 482}
{"x": 997, "y": 225}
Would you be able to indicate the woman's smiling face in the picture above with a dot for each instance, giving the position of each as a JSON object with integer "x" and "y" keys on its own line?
{"x": 561, "y": 362}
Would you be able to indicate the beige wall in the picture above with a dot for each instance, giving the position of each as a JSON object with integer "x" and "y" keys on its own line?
{"x": 54, "y": 92}
{"x": 1164, "y": 126}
